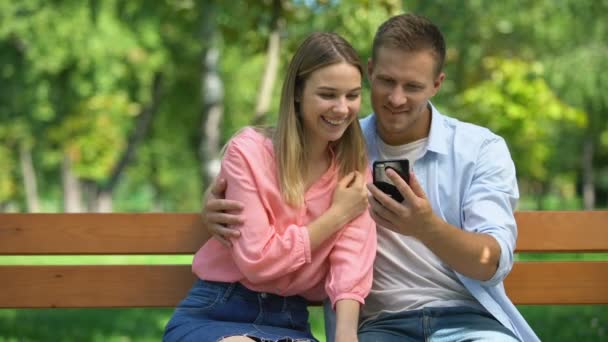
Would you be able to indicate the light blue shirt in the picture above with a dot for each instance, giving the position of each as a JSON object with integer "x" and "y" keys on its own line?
{"x": 469, "y": 178}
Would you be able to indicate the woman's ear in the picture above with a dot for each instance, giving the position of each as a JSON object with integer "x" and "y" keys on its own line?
{"x": 297, "y": 96}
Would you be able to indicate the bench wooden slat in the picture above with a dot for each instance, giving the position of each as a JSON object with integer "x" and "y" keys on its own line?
{"x": 166, "y": 285}
{"x": 562, "y": 231}
{"x": 32, "y": 234}
{"x": 549, "y": 282}
{"x": 20, "y": 234}
{"x": 555, "y": 282}
{"x": 94, "y": 286}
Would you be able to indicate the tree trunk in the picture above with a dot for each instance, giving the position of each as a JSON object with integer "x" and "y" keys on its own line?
{"x": 212, "y": 97}
{"x": 72, "y": 202}
{"x": 144, "y": 120}
{"x": 29, "y": 179}
{"x": 543, "y": 190}
{"x": 272, "y": 65}
{"x": 588, "y": 177}
{"x": 96, "y": 199}
{"x": 104, "y": 202}
{"x": 89, "y": 194}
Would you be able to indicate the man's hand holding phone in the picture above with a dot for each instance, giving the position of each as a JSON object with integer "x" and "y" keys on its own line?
{"x": 384, "y": 183}
{"x": 411, "y": 216}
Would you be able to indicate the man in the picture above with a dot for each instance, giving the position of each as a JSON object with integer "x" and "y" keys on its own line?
{"x": 444, "y": 251}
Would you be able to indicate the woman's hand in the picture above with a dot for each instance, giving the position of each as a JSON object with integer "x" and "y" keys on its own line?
{"x": 350, "y": 197}
{"x": 349, "y": 201}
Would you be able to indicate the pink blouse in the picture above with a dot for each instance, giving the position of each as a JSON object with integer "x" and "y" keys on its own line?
{"x": 273, "y": 253}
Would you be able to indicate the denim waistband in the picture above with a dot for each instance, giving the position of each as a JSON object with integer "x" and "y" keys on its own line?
{"x": 228, "y": 290}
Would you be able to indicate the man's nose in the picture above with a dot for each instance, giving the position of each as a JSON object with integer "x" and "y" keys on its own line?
{"x": 397, "y": 97}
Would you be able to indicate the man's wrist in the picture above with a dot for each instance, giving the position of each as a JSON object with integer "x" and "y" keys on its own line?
{"x": 430, "y": 230}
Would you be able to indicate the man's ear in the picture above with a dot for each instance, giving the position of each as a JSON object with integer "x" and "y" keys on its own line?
{"x": 370, "y": 68}
{"x": 438, "y": 81}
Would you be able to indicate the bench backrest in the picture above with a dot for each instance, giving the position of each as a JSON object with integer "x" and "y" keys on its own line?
{"x": 45, "y": 286}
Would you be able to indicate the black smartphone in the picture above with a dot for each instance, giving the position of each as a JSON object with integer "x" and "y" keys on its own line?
{"x": 381, "y": 180}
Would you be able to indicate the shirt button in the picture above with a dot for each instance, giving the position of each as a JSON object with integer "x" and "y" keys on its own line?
{"x": 263, "y": 295}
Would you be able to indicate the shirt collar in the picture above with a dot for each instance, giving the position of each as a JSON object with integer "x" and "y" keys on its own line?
{"x": 439, "y": 135}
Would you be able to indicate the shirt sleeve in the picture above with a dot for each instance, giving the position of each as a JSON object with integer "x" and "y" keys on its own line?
{"x": 263, "y": 252}
{"x": 490, "y": 202}
{"x": 352, "y": 260}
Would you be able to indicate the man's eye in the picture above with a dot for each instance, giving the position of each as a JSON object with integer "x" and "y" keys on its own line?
{"x": 385, "y": 81}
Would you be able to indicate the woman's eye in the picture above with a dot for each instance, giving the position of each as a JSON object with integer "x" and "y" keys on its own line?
{"x": 326, "y": 96}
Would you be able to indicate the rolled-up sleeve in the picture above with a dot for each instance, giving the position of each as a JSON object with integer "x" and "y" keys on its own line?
{"x": 490, "y": 202}
{"x": 264, "y": 251}
{"x": 352, "y": 261}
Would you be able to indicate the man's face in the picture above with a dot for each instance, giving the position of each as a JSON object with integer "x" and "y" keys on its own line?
{"x": 402, "y": 84}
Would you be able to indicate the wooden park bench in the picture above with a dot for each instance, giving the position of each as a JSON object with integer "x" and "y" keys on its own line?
{"x": 102, "y": 286}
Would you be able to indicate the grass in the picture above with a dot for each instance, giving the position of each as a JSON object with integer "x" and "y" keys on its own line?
{"x": 97, "y": 325}
{"x": 552, "y": 323}
{"x": 111, "y": 325}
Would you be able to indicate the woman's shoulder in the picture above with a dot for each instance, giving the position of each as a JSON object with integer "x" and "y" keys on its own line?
{"x": 251, "y": 142}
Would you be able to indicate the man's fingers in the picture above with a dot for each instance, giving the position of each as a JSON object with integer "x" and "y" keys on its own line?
{"x": 219, "y": 221}
{"x": 223, "y": 241}
{"x": 223, "y": 205}
{"x": 225, "y": 232}
{"x": 375, "y": 211}
{"x": 383, "y": 199}
{"x": 219, "y": 187}
{"x": 377, "y": 208}
{"x": 401, "y": 185}
{"x": 416, "y": 187}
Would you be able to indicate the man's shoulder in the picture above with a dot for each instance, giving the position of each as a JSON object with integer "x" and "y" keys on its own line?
{"x": 468, "y": 130}
{"x": 368, "y": 125}
{"x": 366, "y": 120}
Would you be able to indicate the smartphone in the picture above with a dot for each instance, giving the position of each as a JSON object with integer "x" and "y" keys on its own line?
{"x": 381, "y": 180}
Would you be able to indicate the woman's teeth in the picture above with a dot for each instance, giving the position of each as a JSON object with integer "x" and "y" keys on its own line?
{"x": 334, "y": 122}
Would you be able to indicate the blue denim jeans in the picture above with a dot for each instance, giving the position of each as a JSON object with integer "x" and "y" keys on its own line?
{"x": 430, "y": 324}
{"x": 215, "y": 310}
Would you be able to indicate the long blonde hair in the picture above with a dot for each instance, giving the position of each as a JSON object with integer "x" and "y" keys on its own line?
{"x": 318, "y": 50}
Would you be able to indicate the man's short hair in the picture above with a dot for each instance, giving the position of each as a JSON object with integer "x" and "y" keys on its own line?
{"x": 410, "y": 33}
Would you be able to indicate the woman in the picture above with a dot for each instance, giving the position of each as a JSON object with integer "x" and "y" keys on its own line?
{"x": 306, "y": 232}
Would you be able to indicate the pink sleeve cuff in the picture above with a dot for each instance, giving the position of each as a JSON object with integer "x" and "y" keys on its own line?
{"x": 342, "y": 296}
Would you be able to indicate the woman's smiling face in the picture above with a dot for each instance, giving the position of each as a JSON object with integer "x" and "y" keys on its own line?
{"x": 330, "y": 101}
